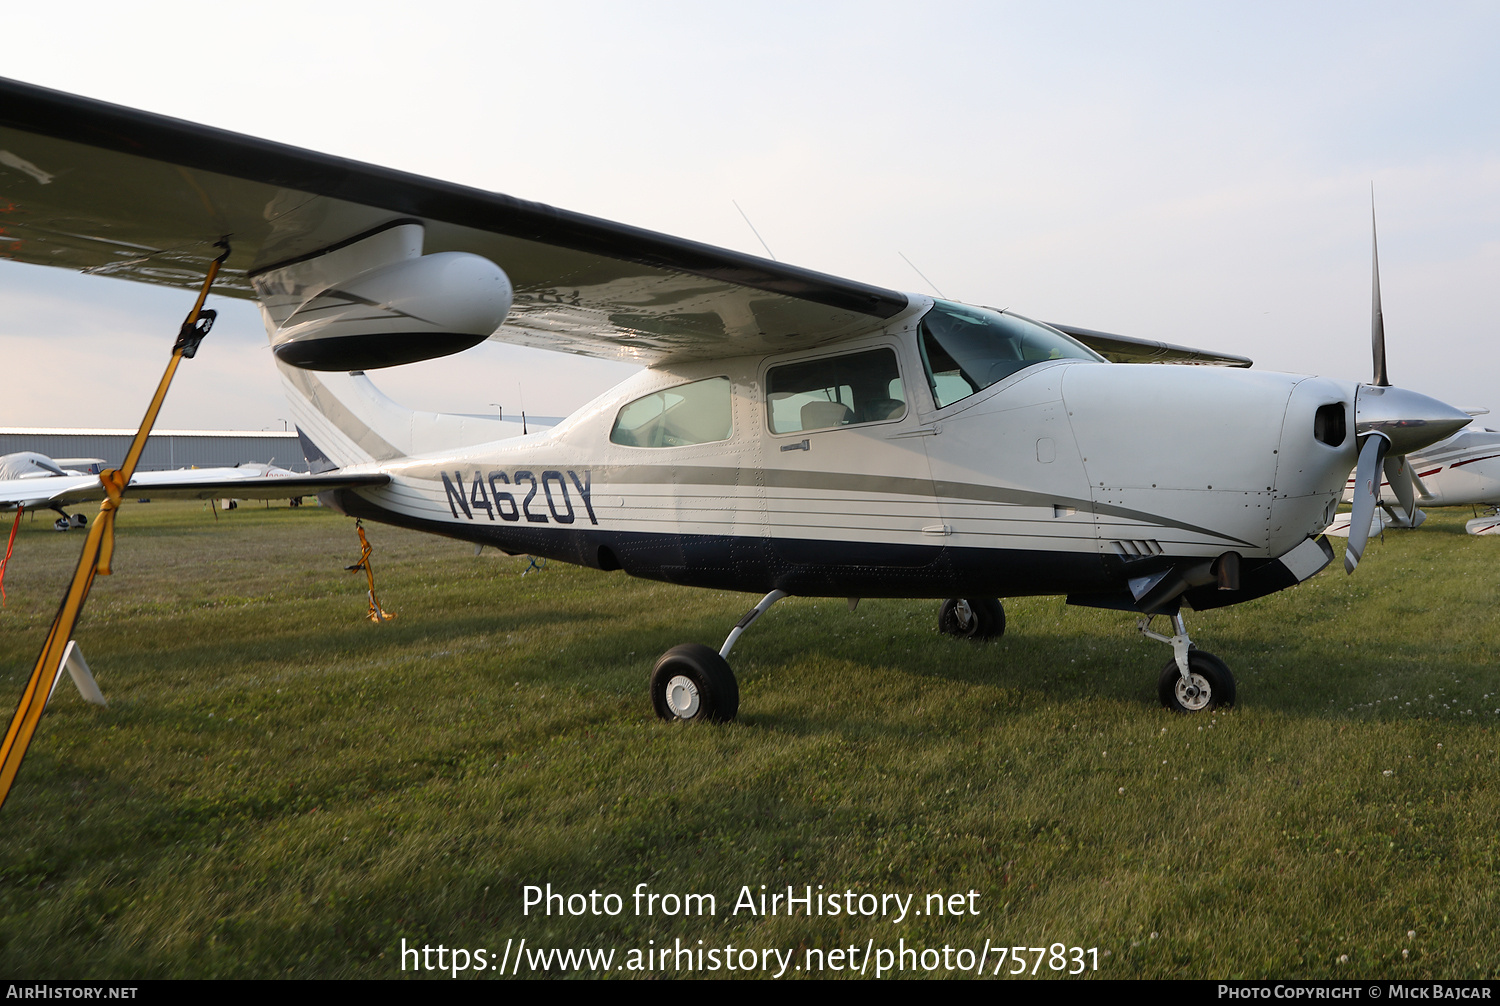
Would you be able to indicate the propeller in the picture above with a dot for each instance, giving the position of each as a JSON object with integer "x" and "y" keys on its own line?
{"x": 1403, "y": 482}
{"x": 1377, "y": 316}
{"x": 1366, "y": 495}
{"x": 1390, "y": 423}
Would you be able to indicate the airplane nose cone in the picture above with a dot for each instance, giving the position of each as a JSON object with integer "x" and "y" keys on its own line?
{"x": 1409, "y": 420}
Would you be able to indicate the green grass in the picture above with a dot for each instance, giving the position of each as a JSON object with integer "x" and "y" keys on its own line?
{"x": 279, "y": 788}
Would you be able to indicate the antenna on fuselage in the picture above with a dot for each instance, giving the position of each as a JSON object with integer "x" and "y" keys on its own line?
{"x": 756, "y": 233}
{"x": 923, "y": 275}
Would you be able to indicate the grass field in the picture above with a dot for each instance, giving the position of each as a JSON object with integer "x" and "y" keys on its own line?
{"x": 281, "y": 789}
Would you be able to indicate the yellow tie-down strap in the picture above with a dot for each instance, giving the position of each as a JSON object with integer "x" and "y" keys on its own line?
{"x": 377, "y": 614}
{"x": 98, "y": 550}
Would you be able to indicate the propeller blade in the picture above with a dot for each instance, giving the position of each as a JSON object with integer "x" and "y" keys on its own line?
{"x": 1377, "y": 316}
{"x": 1366, "y": 495}
{"x": 1398, "y": 474}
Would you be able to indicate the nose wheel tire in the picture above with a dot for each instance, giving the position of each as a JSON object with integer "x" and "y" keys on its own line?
{"x": 972, "y": 618}
{"x": 1209, "y": 684}
{"x": 693, "y": 684}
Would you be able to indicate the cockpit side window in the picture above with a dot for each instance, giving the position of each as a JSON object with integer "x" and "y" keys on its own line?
{"x": 967, "y": 349}
{"x": 835, "y": 391}
{"x": 697, "y": 413}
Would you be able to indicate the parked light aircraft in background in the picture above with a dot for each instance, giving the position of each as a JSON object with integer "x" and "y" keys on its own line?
{"x": 792, "y": 433}
{"x": 16, "y": 492}
{"x": 1463, "y": 470}
{"x": 30, "y": 481}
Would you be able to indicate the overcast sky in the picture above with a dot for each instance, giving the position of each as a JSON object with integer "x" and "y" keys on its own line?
{"x": 1197, "y": 173}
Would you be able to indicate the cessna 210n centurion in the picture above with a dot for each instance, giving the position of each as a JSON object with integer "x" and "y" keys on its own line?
{"x": 792, "y": 434}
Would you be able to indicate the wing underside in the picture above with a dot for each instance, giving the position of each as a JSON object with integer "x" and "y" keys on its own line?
{"x": 1128, "y": 349}
{"x": 114, "y": 191}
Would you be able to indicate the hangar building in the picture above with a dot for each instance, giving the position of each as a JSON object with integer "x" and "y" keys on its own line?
{"x": 166, "y": 450}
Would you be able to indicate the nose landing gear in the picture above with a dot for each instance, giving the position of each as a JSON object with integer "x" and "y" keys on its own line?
{"x": 1192, "y": 681}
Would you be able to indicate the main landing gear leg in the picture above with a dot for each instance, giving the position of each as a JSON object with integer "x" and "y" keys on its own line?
{"x": 66, "y": 520}
{"x": 694, "y": 684}
{"x": 1192, "y": 680}
{"x": 976, "y": 618}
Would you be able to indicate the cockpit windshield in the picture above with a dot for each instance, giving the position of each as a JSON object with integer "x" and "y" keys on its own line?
{"x": 967, "y": 349}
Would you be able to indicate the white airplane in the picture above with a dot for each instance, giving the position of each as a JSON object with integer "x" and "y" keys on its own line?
{"x": 17, "y": 492}
{"x": 792, "y": 433}
{"x": 30, "y": 481}
{"x": 1463, "y": 470}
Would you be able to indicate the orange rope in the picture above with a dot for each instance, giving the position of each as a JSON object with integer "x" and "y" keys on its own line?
{"x": 9, "y": 546}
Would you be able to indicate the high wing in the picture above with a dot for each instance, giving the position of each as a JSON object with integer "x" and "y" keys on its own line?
{"x": 115, "y": 191}
{"x": 1128, "y": 349}
{"x": 192, "y": 483}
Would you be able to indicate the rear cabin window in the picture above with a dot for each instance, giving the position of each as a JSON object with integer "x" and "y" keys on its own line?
{"x": 837, "y": 391}
{"x": 967, "y": 349}
{"x": 697, "y": 413}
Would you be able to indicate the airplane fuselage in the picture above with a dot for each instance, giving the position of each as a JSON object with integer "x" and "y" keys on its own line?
{"x": 1463, "y": 470}
{"x": 1067, "y": 476}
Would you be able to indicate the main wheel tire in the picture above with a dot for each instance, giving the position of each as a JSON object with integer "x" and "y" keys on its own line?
{"x": 694, "y": 684}
{"x": 1210, "y": 685}
{"x": 79, "y": 520}
{"x": 972, "y": 618}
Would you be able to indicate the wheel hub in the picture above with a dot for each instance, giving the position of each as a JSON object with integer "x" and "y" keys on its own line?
{"x": 963, "y": 614}
{"x": 1193, "y": 692}
{"x": 682, "y": 696}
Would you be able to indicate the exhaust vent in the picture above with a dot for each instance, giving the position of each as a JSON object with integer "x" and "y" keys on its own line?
{"x": 1137, "y": 549}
